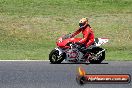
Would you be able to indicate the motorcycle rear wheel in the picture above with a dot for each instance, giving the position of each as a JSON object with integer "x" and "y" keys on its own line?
{"x": 100, "y": 58}
{"x": 55, "y": 58}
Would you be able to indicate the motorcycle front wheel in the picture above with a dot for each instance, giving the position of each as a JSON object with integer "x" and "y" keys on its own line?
{"x": 55, "y": 58}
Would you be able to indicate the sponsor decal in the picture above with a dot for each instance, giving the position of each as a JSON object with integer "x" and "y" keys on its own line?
{"x": 83, "y": 78}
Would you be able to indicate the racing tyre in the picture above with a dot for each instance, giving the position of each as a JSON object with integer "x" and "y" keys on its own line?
{"x": 100, "y": 58}
{"x": 55, "y": 58}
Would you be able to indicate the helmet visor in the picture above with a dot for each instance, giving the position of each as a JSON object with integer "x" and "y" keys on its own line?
{"x": 81, "y": 24}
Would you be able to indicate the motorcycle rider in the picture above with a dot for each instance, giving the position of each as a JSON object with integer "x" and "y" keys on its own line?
{"x": 88, "y": 34}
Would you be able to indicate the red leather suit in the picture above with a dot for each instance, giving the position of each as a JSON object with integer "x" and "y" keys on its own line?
{"x": 88, "y": 36}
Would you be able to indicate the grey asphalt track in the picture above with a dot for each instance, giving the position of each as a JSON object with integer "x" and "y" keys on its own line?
{"x": 41, "y": 74}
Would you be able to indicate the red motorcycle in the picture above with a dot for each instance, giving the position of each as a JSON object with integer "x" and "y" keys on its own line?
{"x": 77, "y": 53}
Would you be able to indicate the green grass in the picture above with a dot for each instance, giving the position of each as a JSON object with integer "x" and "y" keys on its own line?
{"x": 29, "y": 28}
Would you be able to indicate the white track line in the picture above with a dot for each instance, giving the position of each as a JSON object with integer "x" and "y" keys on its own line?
{"x": 25, "y": 60}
